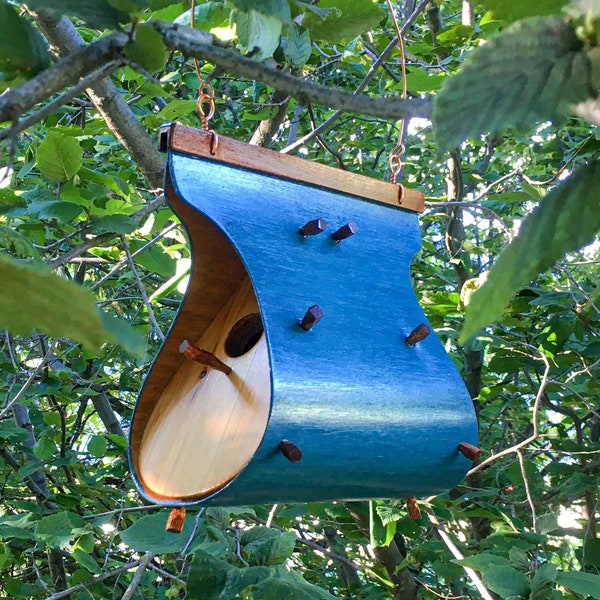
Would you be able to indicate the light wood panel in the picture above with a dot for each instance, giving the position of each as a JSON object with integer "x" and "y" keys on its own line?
{"x": 201, "y": 143}
{"x": 203, "y": 431}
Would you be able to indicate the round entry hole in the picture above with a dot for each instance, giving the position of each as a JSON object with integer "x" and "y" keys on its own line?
{"x": 244, "y": 335}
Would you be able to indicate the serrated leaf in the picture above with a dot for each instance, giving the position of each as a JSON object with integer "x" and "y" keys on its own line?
{"x": 59, "y": 529}
{"x": 533, "y": 71}
{"x": 542, "y": 582}
{"x": 586, "y": 584}
{"x": 505, "y": 581}
{"x": 147, "y": 48}
{"x": 35, "y": 299}
{"x": 258, "y": 33}
{"x": 298, "y": 47}
{"x": 509, "y": 10}
{"x": 207, "y": 576}
{"x": 61, "y": 212}
{"x": 345, "y": 20}
{"x": 280, "y": 9}
{"x": 565, "y": 220}
{"x": 113, "y": 224}
{"x": 59, "y": 157}
{"x": 265, "y": 548}
{"x": 22, "y": 47}
{"x": 98, "y": 13}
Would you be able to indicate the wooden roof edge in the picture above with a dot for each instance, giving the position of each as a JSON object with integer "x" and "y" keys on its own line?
{"x": 207, "y": 144}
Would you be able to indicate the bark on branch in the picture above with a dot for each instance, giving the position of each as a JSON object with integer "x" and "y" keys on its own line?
{"x": 72, "y": 68}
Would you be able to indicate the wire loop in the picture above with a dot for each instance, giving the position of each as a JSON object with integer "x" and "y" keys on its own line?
{"x": 206, "y": 93}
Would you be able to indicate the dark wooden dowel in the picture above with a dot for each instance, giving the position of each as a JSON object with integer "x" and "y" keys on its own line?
{"x": 176, "y": 520}
{"x": 313, "y": 227}
{"x": 418, "y": 334}
{"x": 414, "y": 512}
{"x": 345, "y": 231}
{"x": 290, "y": 451}
{"x": 469, "y": 451}
{"x": 204, "y": 357}
{"x": 313, "y": 315}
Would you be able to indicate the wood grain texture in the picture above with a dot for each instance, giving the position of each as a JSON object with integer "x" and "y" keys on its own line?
{"x": 373, "y": 417}
{"x": 204, "y": 430}
{"x": 199, "y": 143}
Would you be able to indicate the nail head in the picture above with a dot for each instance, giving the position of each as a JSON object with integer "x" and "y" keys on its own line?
{"x": 313, "y": 227}
{"x": 345, "y": 231}
{"x": 418, "y": 334}
{"x": 473, "y": 453}
{"x": 290, "y": 451}
{"x": 313, "y": 315}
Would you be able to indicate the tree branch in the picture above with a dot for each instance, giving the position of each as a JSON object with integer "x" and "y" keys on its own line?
{"x": 192, "y": 43}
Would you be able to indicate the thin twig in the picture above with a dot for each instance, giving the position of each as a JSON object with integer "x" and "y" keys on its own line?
{"x": 143, "y": 565}
{"x": 142, "y": 289}
{"x": 536, "y": 426}
{"x": 95, "y": 579}
{"x": 485, "y": 594}
{"x": 527, "y": 489}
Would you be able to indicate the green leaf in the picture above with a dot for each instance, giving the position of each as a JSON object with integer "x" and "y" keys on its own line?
{"x": 113, "y": 224}
{"x": 207, "y": 576}
{"x": 298, "y": 47}
{"x": 16, "y": 243}
{"x": 86, "y": 561}
{"x": 586, "y": 584}
{"x": 345, "y": 20}
{"x": 33, "y": 299}
{"x": 565, "y": 220}
{"x": 290, "y": 589}
{"x": 97, "y": 445}
{"x": 61, "y": 212}
{"x": 147, "y": 48}
{"x": 44, "y": 448}
{"x": 59, "y": 529}
{"x": 280, "y": 9}
{"x": 258, "y": 33}
{"x": 122, "y": 333}
{"x": 546, "y": 523}
{"x": 148, "y": 534}
{"x": 509, "y": 10}
{"x": 59, "y": 157}
{"x": 505, "y": 581}
{"x": 591, "y": 552}
{"x": 533, "y": 71}
{"x": 266, "y": 546}
{"x": 480, "y": 562}
{"x": 542, "y": 582}
{"x": 23, "y": 50}
{"x": 98, "y": 13}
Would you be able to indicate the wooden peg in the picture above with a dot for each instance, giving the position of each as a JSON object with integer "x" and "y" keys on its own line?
{"x": 418, "y": 334}
{"x": 204, "y": 357}
{"x": 290, "y": 451}
{"x": 414, "y": 512}
{"x": 469, "y": 451}
{"x": 313, "y": 315}
{"x": 345, "y": 231}
{"x": 176, "y": 520}
{"x": 313, "y": 227}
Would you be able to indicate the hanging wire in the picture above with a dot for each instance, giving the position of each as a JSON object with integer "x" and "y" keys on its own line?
{"x": 206, "y": 93}
{"x": 397, "y": 152}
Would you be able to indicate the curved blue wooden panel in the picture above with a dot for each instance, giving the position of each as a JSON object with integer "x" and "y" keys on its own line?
{"x": 374, "y": 417}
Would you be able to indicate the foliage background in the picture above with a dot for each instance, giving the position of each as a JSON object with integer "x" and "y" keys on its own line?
{"x": 83, "y": 223}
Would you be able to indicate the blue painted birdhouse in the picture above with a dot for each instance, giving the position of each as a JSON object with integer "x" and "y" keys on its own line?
{"x": 299, "y": 367}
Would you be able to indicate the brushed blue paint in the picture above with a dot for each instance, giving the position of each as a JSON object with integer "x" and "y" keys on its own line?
{"x": 373, "y": 417}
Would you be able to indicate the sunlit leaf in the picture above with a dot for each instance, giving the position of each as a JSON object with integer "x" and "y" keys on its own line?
{"x": 258, "y": 33}
{"x": 59, "y": 156}
{"x": 98, "y": 13}
{"x": 32, "y": 299}
{"x": 345, "y": 20}
{"x": 147, "y": 48}
{"x": 536, "y": 70}
{"x": 565, "y": 220}
{"x": 509, "y": 10}
{"x": 586, "y": 584}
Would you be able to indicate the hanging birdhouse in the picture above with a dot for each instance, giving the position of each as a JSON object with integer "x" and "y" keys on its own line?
{"x": 300, "y": 366}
